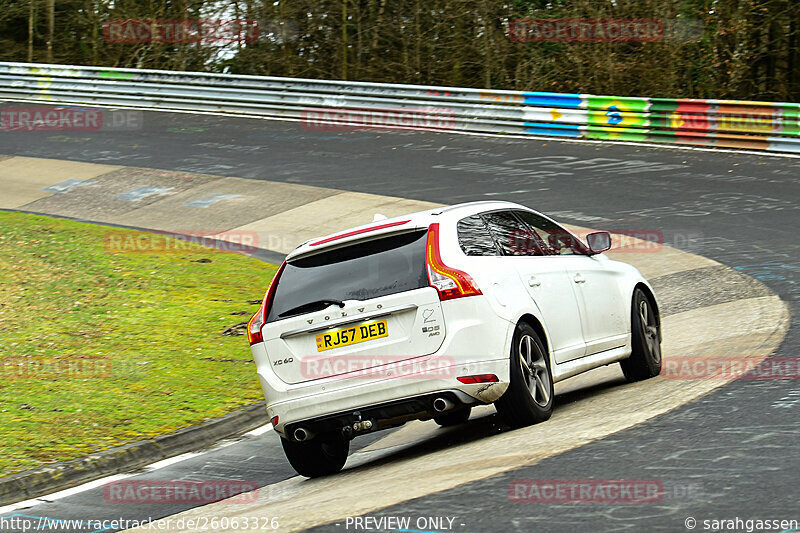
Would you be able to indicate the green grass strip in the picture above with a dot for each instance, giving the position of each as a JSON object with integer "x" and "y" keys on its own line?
{"x": 101, "y": 347}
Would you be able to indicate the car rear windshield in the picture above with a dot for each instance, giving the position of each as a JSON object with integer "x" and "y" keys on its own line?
{"x": 361, "y": 271}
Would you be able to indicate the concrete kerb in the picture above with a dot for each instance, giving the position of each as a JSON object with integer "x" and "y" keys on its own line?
{"x": 129, "y": 457}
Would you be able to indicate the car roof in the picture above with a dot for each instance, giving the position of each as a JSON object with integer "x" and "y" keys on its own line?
{"x": 411, "y": 221}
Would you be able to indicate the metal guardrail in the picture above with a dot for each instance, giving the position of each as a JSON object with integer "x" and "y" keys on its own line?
{"x": 718, "y": 123}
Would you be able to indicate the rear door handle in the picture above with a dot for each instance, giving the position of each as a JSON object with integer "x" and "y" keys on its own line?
{"x": 533, "y": 281}
{"x": 579, "y": 279}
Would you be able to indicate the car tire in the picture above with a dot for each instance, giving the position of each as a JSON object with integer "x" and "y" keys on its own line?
{"x": 320, "y": 456}
{"x": 529, "y": 397}
{"x": 454, "y": 417}
{"x": 645, "y": 359}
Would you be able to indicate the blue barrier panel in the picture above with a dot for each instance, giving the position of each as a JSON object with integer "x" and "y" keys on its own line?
{"x": 552, "y": 99}
{"x": 544, "y": 128}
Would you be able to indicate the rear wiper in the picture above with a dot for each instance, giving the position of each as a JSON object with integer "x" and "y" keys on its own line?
{"x": 316, "y": 305}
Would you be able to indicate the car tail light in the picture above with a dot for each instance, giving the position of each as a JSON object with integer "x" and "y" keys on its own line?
{"x": 450, "y": 282}
{"x": 479, "y": 378}
{"x": 274, "y": 421}
{"x": 257, "y": 321}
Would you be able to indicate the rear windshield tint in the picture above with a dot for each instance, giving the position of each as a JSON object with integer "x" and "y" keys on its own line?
{"x": 359, "y": 272}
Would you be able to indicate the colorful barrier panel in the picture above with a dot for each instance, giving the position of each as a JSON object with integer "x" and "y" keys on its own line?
{"x": 709, "y": 123}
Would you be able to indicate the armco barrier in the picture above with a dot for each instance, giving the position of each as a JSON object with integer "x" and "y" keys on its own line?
{"x": 713, "y": 123}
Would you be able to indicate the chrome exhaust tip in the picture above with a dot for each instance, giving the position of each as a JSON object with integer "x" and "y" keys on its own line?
{"x": 441, "y": 405}
{"x": 301, "y": 434}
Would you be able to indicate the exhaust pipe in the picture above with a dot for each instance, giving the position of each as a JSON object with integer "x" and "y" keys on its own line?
{"x": 441, "y": 405}
{"x": 302, "y": 434}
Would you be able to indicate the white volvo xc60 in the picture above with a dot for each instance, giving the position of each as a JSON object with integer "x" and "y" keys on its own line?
{"x": 426, "y": 315}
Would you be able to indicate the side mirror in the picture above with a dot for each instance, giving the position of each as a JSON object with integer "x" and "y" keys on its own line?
{"x": 598, "y": 242}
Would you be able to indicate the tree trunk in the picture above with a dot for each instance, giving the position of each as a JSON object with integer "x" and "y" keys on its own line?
{"x": 51, "y": 24}
{"x": 344, "y": 39}
{"x": 30, "y": 31}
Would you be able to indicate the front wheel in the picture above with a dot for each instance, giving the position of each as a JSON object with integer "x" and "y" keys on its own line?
{"x": 320, "y": 456}
{"x": 645, "y": 359}
{"x": 529, "y": 398}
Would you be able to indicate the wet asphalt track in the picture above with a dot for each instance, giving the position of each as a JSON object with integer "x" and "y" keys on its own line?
{"x": 733, "y": 453}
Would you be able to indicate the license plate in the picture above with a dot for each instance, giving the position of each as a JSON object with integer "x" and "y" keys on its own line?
{"x": 351, "y": 335}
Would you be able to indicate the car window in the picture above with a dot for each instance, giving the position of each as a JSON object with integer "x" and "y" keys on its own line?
{"x": 357, "y": 272}
{"x": 508, "y": 232}
{"x": 543, "y": 237}
{"x": 474, "y": 237}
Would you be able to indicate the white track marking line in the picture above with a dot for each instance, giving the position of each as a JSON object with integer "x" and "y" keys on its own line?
{"x": 163, "y": 463}
{"x": 260, "y": 430}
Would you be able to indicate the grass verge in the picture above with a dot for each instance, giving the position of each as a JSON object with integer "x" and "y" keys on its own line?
{"x": 100, "y": 348}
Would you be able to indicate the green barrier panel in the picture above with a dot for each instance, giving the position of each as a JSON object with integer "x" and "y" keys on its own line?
{"x": 615, "y": 115}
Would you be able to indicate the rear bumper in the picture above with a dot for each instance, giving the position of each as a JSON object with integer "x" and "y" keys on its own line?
{"x": 477, "y": 342}
{"x": 351, "y": 423}
{"x": 362, "y": 396}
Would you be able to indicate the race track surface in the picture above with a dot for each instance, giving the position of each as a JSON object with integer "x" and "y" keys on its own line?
{"x": 727, "y": 454}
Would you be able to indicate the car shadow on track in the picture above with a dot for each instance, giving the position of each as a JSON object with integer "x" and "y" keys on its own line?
{"x": 481, "y": 425}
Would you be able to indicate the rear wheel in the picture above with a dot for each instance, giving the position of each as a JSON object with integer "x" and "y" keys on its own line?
{"x": 645, "y": 359}
{"x": 529, "y": 398}
{"x": 453, "y": 418}
{"x": 320, "y": 456}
